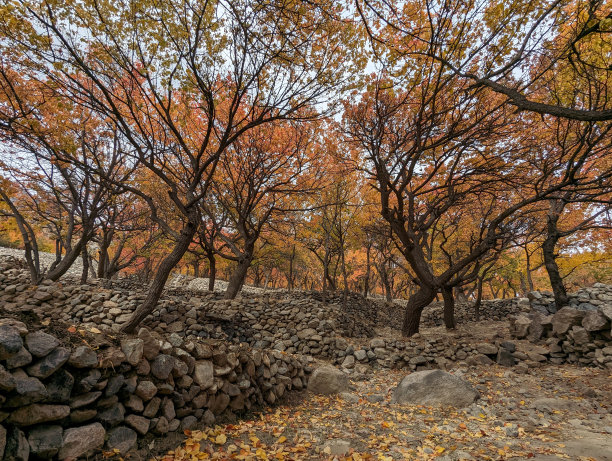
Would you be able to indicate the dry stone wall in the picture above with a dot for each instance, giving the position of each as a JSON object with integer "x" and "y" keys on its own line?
{"x": 578, "y": 333}
{"x": 61, "y": 400}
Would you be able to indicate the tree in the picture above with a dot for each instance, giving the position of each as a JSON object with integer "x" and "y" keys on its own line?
{"x": 182, "y": 81}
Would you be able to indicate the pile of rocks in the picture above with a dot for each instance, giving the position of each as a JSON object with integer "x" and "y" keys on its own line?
{"x": 66, "y": 401}
{"x": 585, "y": 299}
{"x": 572, "y": 335}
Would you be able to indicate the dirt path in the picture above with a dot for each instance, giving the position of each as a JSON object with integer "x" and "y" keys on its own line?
{"x": 553, "y": 413}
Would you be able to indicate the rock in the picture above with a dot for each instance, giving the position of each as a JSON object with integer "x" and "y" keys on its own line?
{"x": 2, "y": 441}
{"x": 83, "y": 357}
{"x": 204, "y": 374}
{"x": 20, "y": 359}
{"x": 84, "y": 399}
{"x": 10, "y": 342}
{"x": 50, "y": 364}
{"x": 121, "y": 438}
{"x": 520, "y": 326}
{"x": 348, "y": 362}
{"x": 113, "y": 415}
{"x": 351, "y": 398}
{"x": 552, "y": 404}
{"x": 146, "y": 390}
{"x": 38, "y": 413}
{"x": 579, "y": 335}
{"x": 151, "y": 346}
{"x": 505, "y": 358}
{"x": 59, "y": 387}
{"x": 188, "y": 422}
{"x": 81, "y": 441}
{"x": 486, "y": 348}
{"x": 595, "y": 321}
{"x": 162, "y": 366}
{"x": 40, "y": 343}
{"x": 17, "y": 446}
{"x": 565, "y": 318}
{"x": 479, "y": 359}
{"x": 140, "y": 423}
{"x": 328, "y": 380}
{"x": 434, "y": 387}
{"x": 133, "y": 350}
{"x": 361, "y": 355}
{"x": 7, "y": 381}
{"x": 377, "y": 343}
{"x": 45, "y": 441}
{"x": 27, "y": 390}
{"x": 337, "y": 447}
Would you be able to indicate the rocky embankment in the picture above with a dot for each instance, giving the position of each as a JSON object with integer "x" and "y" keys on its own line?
{"x": 62, "y": 398}
{"x": 579, "y": 333}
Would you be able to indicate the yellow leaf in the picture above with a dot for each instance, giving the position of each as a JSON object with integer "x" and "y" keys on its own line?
{"x": 220, "y": 439}
{"x": 282, "y": 439}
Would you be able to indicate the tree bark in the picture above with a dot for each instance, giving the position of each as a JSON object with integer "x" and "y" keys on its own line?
{"x": 548, "y": 251}
{"x": 449, "y": 308}
{"x": 212, "y": 270}
{"x": 366, "y": 285}
{"x": 85, "y": 271}
{"x": 159, "y": 282}
{"x": 237, "y": 278}
{"x": 416, "y": 303}
{"x": 478, "y": 303}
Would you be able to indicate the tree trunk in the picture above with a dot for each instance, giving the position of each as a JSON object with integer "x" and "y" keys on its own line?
{"x": 412, "y": 316}
{"x": 237, "y": 278}
{"x": 212, "y": 270}
{"x": 291, "y": 276}
{"x": 548, "y": 251}
{"x": 478, "y": 303}
{"x": 366, "y": 285}
{"x": 159, "y": 282}
{"x": 85, "y": 271}
{"x": 449, "y": 308}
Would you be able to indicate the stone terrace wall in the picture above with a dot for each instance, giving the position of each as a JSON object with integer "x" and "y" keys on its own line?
{"x": 579, "y": 333}
{"x": 60, "y": 400}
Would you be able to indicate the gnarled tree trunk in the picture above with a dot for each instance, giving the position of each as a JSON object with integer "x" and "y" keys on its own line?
{"x": 416, "y": 303}
{"x": 449, "y": 308}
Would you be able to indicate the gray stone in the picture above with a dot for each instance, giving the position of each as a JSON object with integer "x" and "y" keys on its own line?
{"x": 328, "y": 380}
{"x": 579, "y": 335}
{"x": 146, "y": 390}
{"x": 505, "y": 358}
{"x": 45, "y": 441}
{"x": 162, "y": 366}
{"x": 203, "y": 374}
{"x": 7, "y": 381}
{"x": 59, "y": 386}
{"x": 2, "y": 441}
{"x": 566, "y": 318}
{"x": 17, "y": 446}
{"x": 348, "y": 362}
{"x": 337, "y": 447}
{"x": 486, "y": 348}
{"x": 50, "y": 364}
{"x": 10, "y": 342}
{"x": 434, "y": 388}
{"x": 361, "y": 355}
{"x": 520, "y": 326}
{"x": 84, "y": 399}
{"x": 81, "y": 441}
{"x": 188, "y": 422}
{"x": 122, "y": 439}
{"x": 83, "y": 357}
{"x": 40, "y": 343}
{"x": 20, "y": 359}
{"x": 376, "y": 343}
{"x": 113, "y": 415}
{"x": 38, "y": 413}
{"x": 595, "y": 321}
{"x": 27, "y": 390}
{"x": 133, "y": 350}
{"x": 140, "y": 423}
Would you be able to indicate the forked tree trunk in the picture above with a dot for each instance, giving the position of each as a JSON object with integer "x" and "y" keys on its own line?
{"x": 449, "y": 308}
{"x": 159, "y": 282}
{"x": 238, "y": 277}
{"x": 416, "y": 303}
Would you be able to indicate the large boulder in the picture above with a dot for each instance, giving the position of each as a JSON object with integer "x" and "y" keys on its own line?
{"x": 566, "y": 318}
{"x": 595, "y": 321}
{"x": 328, "y": 380}
{"x": 434, "y": 388}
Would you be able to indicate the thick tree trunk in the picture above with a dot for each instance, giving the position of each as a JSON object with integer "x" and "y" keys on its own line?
{"x": 556, "y": 282}
{"x": 159, "y": 282}
{"x": 237, "y": 278}
{"x": 68, "y": 260}
{"x": 449, "y": 308}
{"x": 412, "y": 316}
